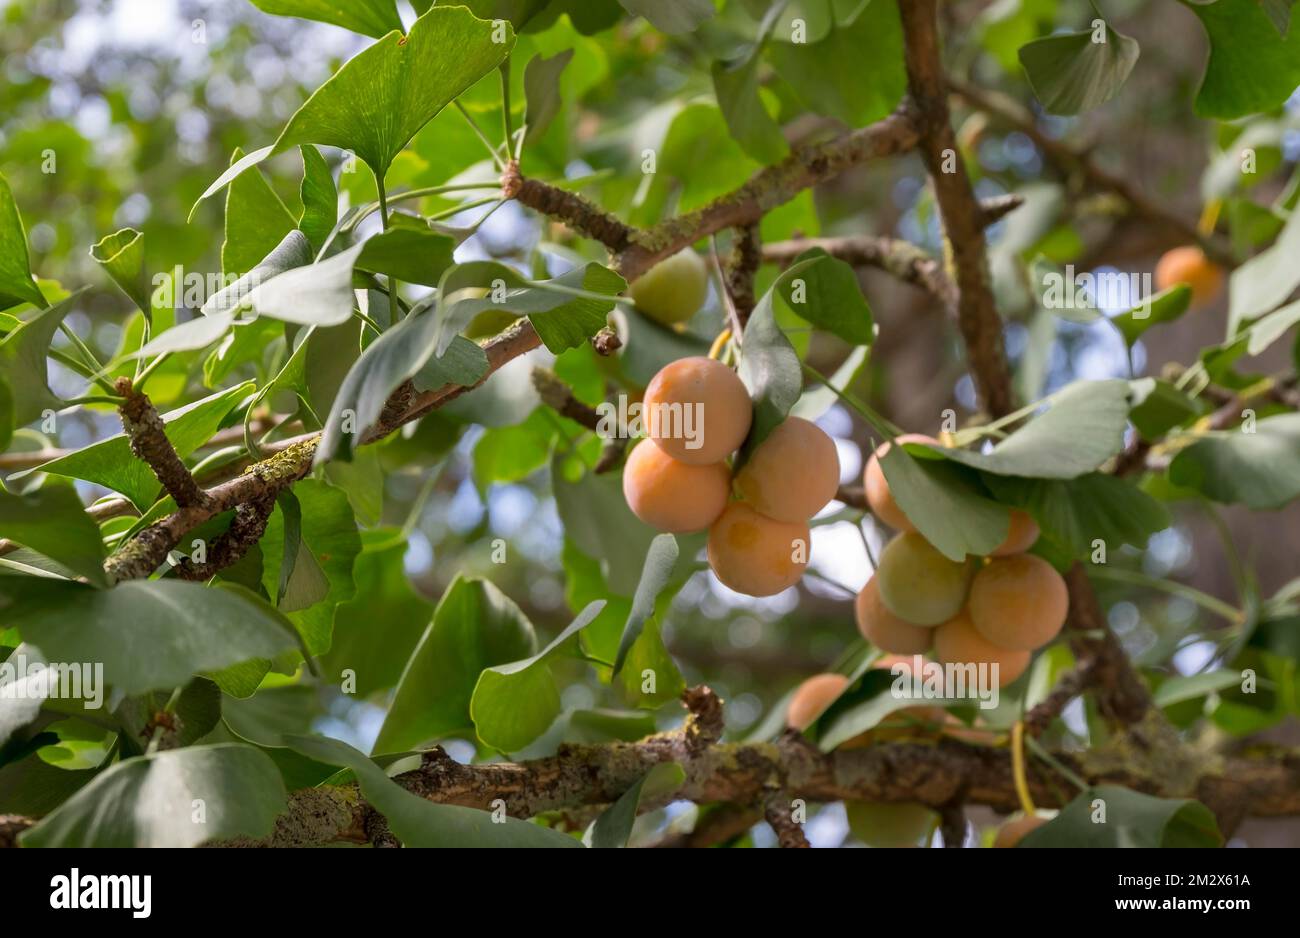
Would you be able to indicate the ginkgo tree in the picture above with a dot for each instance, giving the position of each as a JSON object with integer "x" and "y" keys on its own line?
{"x": 187, "y": 602}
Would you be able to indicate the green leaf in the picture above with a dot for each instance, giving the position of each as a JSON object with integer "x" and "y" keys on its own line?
{"x": 318, "y": 294}
{"x": 512, "y": 453}
{"x": 377, "y": 101}
{"x": 16, "y": 283}
{"x": 827, "y": 74}
{"x": 1194, "y": 686}
{"x": 190, "y": 336}
{"x": 1251, "y": 68}
{"x": 1264, "y": 332}
{"x": 1131, "y": 819}
{"x": 411, "y": 252}
{"x": 596, "y": 517}
{"x": 561, "y": 319}
{"x": 514, "y": 703}
{"x": 256, "y": 221}
{"x": 946, "y": 504}
{"x": 377, "y": 629}
{"x": 864, "y": 706}
{"x": 1081, "y": 429}
{"x": 150, "y": 634}
{"x": 1166, "y": 306}
{"x": 1076, "y": 512}
{"x": 474, "y": 626}
{"x": 320, "y": 198}
{"x": 311, "y": 585}
{"x": 110, "y": 462}
{"x": 23, "y": 367}
{"x": 1073, "y": 72}
{"x": 398, "y": 354}
{"x": 368, "y": 17}
{"x": 769, "y": 365}
{"x": 1260, "y": 469}
{"x": 52, "y": 521}
{"x": 671, "y": 16}
{"x": 121, "y": 254}
{"x": 1158, "y": 407}
{"x": 293, "y": 251}
{"x": 828, "y": 296}
{"x": 660, "y": 562}
{"x": 737, "y": 88}
{"x": 1266, "y": 280}
{"x": 420, "y": 823}
{"x": 33, "y": 787}
{"x": 542, "y": 91}
{"x": 328, "y": 530}
{"x": 614, "y": 826}
{"x": 180, "y": 798}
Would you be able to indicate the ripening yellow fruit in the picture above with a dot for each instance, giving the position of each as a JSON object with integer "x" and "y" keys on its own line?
{"x": 958, "y": 642}
{"x": 793, "y": 473}
{"x": 1020, "y": 536}
{"x": 811, "y": 698}
{"x": 1018, "y": 602}
{"x": 879, "y": 497}
{"x": 885, "y": 630}
{"x": 697, "y": 410}
{"x": 754, "y": 555}
{"x": 1012, "y": 832}
{"x": 673, "y": 496}
{"x": 918, "y": 584}
{"x": 1188, "y": 264}
{"x": 889, "y": 825}
{"x": 673, "y": 290}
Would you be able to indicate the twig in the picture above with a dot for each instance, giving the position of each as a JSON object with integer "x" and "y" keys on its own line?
{"x": 245, "y": 530}
{"x": 897, "y": 257}
{"x": 148, "y": 439}
{"x": 742, "y": 265}
{"x": 1074, "y": 161}
{"x": 776, "y": 811}
{"x": 768, "y": 188}
{"x": 584, "y": 217}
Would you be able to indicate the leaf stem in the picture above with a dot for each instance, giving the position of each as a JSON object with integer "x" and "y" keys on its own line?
{"x": 395, "y": 311}
{"x": 1204, "y": 600}
{"x": 150, "y": 369}
{"x": 879, "y": 423}
{"x": 496, "y": 156}
{"x": 506, "y": 120}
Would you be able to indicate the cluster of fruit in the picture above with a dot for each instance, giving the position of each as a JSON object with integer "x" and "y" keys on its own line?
{"x": 996, "y": 611}
{"x": 697, "y": 413}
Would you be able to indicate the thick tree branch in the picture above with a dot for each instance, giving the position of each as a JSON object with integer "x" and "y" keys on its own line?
{"x": 963, "y": 220}
{"x": 743, "y": 778}
{"x": 768, "y": 188}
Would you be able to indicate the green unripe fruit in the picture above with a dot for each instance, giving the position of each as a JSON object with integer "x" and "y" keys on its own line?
{"x": 889, "y": 825}
{"x": 674, "y": 289}
{"x": 919, "y": 584}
